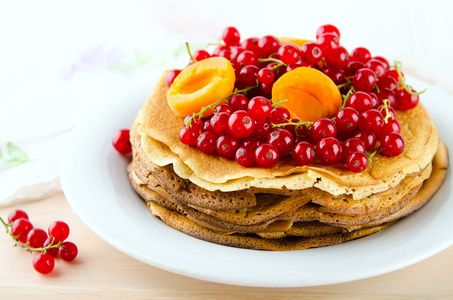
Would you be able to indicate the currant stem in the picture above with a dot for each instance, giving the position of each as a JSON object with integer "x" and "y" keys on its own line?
{"x": 261, "y": 60}
{"x": 346, "y": 97}
{"x": 190, "y": 54}
{"x": 402, "y": 82}
{"x": 213, "y": 105}
{"x": 289, "y": 122}
{"x": 278, "y": 103}
{"x": 17, "y": 243}
{"x": 370, "y": 155}
{"x": 278, "y": 66}
{"x": 385, "y": 106}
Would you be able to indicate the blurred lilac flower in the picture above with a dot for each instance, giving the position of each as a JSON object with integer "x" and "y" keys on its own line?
{"x": 93, "y": 60}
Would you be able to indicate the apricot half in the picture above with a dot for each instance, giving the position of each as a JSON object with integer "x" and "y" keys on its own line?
{"x": 310, "y": 94}
{"x": 298, "y": 42}
{"x": 200, "y": 85}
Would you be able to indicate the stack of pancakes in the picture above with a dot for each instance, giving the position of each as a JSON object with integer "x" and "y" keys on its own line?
{"x": 287, "y": 207}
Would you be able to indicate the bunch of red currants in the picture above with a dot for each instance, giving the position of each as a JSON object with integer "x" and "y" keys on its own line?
{"x": 49, "y": 244}
{"x": 255, "y": 131}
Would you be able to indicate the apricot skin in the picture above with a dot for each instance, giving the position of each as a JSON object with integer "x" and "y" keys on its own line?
{"x": 298, "y": 42}
{"x": 310, "y": 94}
{"x": 200, "y": 85}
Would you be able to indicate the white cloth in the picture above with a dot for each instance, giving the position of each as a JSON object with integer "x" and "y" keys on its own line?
{"x": 59, "y": 59}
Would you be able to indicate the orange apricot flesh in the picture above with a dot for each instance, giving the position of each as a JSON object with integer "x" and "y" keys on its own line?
{"x": 298, "y": 42}
{"x": 310, "y": 94}
{"x": 200, "y": 85}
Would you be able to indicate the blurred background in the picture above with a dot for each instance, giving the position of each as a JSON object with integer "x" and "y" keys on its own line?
{"x": 60, "y": 59}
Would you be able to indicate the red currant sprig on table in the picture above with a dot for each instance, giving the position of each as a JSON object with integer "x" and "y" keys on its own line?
{"x": 49, "y": 244}
{"x": 256, "y": 132}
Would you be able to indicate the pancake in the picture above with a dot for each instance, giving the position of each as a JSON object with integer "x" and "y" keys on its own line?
{"x": 159, "y": 129}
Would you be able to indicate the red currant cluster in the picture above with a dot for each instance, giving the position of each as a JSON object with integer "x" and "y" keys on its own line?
{"x": 250, "y": 128}
{"x": 36, "y": 239}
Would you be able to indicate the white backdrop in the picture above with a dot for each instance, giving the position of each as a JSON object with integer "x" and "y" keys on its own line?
{"x": 59, "y": 59}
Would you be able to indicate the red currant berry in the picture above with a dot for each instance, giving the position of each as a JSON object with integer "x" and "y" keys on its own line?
{"x": 386, "y": 82}
{"x": 353, "y": 67}
{"x": 188, "y": 136}
{"x": 43, "y": 263}
{"x": 374, "y": 100}
{"x": 222, "y": 108}
{"x": 226, "y": 54}
{"x": 266, "y": 89}
{"x": 268, "y": 45}
{"x": 219, "y": 123}
{"x": 364, "y": 80}
{"x": 266, "y": 75}
{"x": 16, "y": 214}
{"x": 36, "y": 238}
{"x": 250, "y": 44}
{"x": 278, "y": 71}
{"x": 347, "y": 119}
{"x": 391, "y": 110}
{"x": 262, "y": 128}
{"x": 247, "y": 58}
{"x": 58, "y": 230}
{"x": 279, "y": 115}
{"x": 328, "y": 42}
{"x": 121, "y": 141}
{"x": 241, "y": 124}
{"x": 334, "y": 73}
{"x": 323, "y": 128}
{"x": 311, "y": 53}
{"x": 288, "y": 53}
{"x": 259, "y": 108}
{"x": 20, "y": 229}
{"x": 235, "y": 51}
{"x": 238, "y": 102}
{"x": 353, "y": 145}
{"x": 251, "y": 142}
{"x": 293, "y": 66}
{"x": 171, "y": 75}
{"x": 383, "y": 60}
{"x": 51, "y": 251}
{"x": 245, "y": 156}
{"x": 338, "y": 57}
{"x": 392, "y": 144}
{"x": 303, "y": 153}
{"x": 227, "y": 146}
{"x": 328, "y": 151}
{"x": 405, "y": 101}
{"x": 195, "y": 124}
{"x": 369, "y": 138}
{"x": 357, "y": 162}
{"x": 360, "y": 54}
{"x": 376, "y": 66}
{"x": 217, "y": 50}
{"x": 392, "y": 125}
{"x": 248, "y": 75}
{"x": 231, "y": 36}
{"x": 207, "y": 142}
{"x": 327, "y": 28}
{"x": 281, "y": 139}
{"x": 266, "y": 156}
{"x": 68, "y": 251}
{"x": 199, "y": 55}
{"x": 360, "y": 101}
{"x": 387, "y": 94}
{"x": 394, "y": 74}
{"x": 371, "y": 120}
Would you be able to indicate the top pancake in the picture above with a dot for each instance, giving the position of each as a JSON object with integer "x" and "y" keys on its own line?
{"x": 159, "y": 129}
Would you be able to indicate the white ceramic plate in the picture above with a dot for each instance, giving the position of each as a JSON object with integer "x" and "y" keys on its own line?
{"x": 95, "y": 183}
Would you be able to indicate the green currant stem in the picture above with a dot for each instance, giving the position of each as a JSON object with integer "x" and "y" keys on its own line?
{"x": 402, "y": 82}
{"x": 190, "y": 54}
{"x": 213, "y": 105}
{"x": 385, "y": 106}
{"x": 261, "y": 60}
{"x": 370, "y": 155}
{"x": 278, "y": 66}
{"x": 279, "y": 102}
{"x": 346, "y": 97}
{"x": 289, "y": 122}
